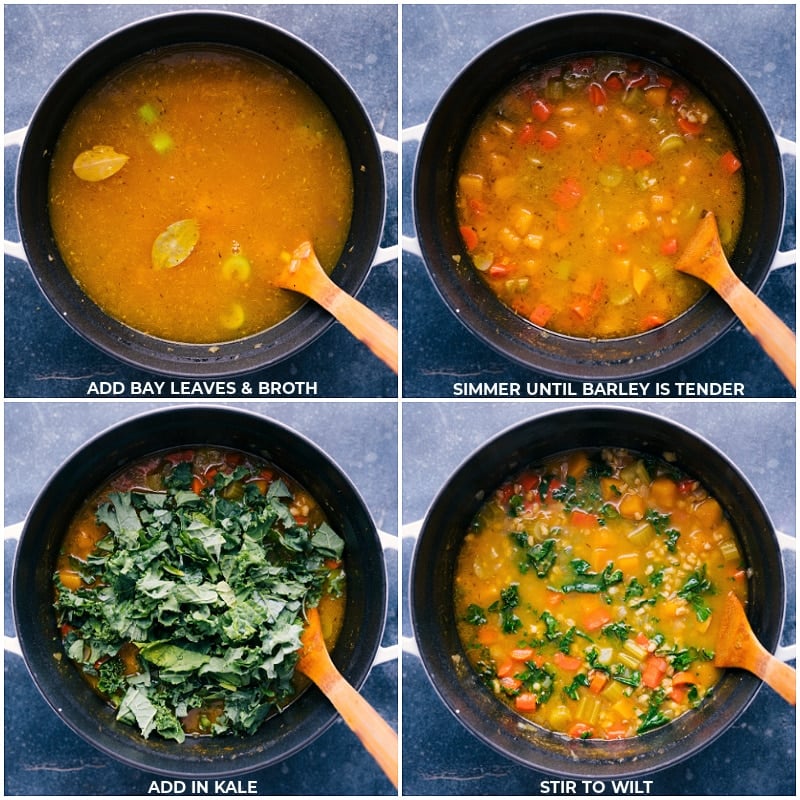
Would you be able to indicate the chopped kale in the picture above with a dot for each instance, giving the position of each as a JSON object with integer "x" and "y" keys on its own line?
{"x": 210, "y": 587}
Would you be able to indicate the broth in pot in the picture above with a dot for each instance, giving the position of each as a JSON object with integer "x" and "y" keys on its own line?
{"x": 180, "y": 185}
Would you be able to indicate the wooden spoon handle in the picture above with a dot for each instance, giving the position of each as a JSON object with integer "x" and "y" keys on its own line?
{"x": 781, "y": 677}
{"x": 362, "y": 322}
{"x": 768, "y": 329}
{"x": 374, "y": 732}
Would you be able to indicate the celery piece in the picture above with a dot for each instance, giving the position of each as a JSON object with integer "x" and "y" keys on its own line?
{"x": 236, "y": 266}
{"x": 162, "y": 142}
{"x": 147, "y": 113}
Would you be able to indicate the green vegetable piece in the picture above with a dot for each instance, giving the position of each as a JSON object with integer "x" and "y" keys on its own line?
{"x": 162, "y": 142}
{"x": 175, "y": 244}
{"x": 236, "y": 267}
{"x": 99, "y": 163}
{"x": 147, "y": 113}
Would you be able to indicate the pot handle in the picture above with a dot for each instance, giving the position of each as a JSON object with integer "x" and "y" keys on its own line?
{"x": 411, "y": 530}
{"x": 387, "y": 653}
{"x": 14, "y": 139}
{"x": 787, "y": 543}
{"x": 785, "y": 258}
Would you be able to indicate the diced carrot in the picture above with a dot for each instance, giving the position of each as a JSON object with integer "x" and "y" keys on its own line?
{"x": 582, "y": 307}
{"x": 541, "y": 314}
{"x": 617, "y": 732}
{"x": 684, "y": 677}
{"x": 548, "y": 139}
{"x": 554, "y": 599}
{"x": 499, "y": 270}
{"x": 506, "y": 668}
{"x": 597, "y": 94}
{"x": 669, "y": 246}
{"x": 641, "y": 639}
{"x": 678, "y": 694}
{"x": 688, "y": 127}
{"x": 569, "y": 663}
{"x": 487, "y": 634}
{"x": 655, "y": 668}
{"x": 522, "y": 653}
{"x": 652, "y": 321}
{"x": 740, "y": 575}
{"x": 568, "y": 194}
{"x": 541, "y": 110}
{"x": 598, "y": 682}
{"x": 640, "y": 158}
{"x": 679, "y": 94}
{"x": 596, "y": 618}
{"x": 476, "y": 206}
{"x": 638, "y": 81}
{"x": 527, "y": 134}
{"x": 583, "y": 519}
{"x": 197, "y": 484}
{"x": 529, "y": 481}
{"x": 729, "y": 162}
{"x": 470, "y": 237}
{"x": 580, "y": 730}
{"x": 526, "y": 701}
{"x": 510, "y": 684}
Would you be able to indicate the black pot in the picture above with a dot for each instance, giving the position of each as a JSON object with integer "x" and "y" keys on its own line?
{"x": 497, "y": 68}
{"x": 310, "y": 714}
{"x": 133, "y": 347}
{"x": 431, "y": 591}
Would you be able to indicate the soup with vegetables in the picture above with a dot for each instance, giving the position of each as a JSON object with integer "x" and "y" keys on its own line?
{"x": 589, "y": 589}
{"x": 181, "y": 585}
{"x": 579, "y": 187}
{"x": 180, "y": 185}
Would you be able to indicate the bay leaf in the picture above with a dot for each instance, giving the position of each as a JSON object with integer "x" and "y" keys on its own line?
{"x": 175, "y": 244}
{"x": 99, "y": 163}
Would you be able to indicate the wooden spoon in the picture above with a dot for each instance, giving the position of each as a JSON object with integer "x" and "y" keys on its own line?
{"x": 704, "y": 258}
{"x": 737, "y": 646}
{"x": 304, "y": 274}
{"x": 374, "y": 732}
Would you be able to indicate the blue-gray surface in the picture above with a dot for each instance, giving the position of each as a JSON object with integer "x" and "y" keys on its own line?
{"x": 440, "y": 40}
{"x": 44, "y": 357}
{"x": 44, "y": 757}
{"x": 756, "y": 756}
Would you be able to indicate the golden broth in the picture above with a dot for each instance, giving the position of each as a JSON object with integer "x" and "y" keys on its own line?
{"x": 234, "y": 143}
{"x": 211, "y": 596}
{"x": 588, "y": 593}
{"x": 579, "y": 187}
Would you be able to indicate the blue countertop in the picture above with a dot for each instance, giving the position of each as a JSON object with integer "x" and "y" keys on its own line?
{"x": 440, "y": 40}
{"x": 756, "y": 756}
{"x": 46, "y": 358}
{"x": 43, "y": 756}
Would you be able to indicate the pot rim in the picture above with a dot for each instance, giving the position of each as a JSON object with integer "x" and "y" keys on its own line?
{"x": 187, "y": 759}
{"x": 435, "y": 644}
{"x": 213, "y": 359}
{"x": 494, "y": 324}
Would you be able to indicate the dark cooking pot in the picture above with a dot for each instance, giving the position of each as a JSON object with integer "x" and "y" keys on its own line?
{"x": 495, "y": 69}
{"x": 310, "y": 714}
{"x": 148, "y": 352}
{"x": 431, "y": 591}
